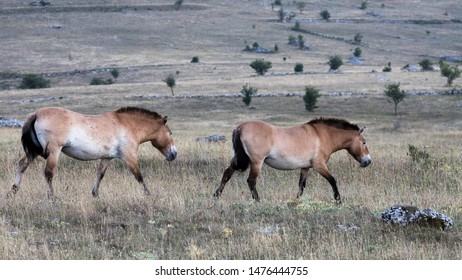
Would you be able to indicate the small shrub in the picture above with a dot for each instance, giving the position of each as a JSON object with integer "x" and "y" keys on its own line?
{"x": 358, "y": 38}
{"x": 298, "y": 68}
{"x": 31, "y": 81}
{"x": 96, "y": 81}
{"x": 335, "y": 62}
{"x": 387, "y": 68}
{"x": 195, "y": 59}
{"x": 357, "y": 52}
{"x": 325, "y": 14}
{"x": 301, "y": 42}
{"x": 276, "y": 48}
{"x": 178, "y": 4}
{"x": 296, "y": 26}
{"x": 418, "y": 155}
{"x": 311, "y": 98}
{"x": 248, "y": 91}
{"x": 292, "y": 40}
{"x": 363, "y": 5}
{"x": 261, "y": 66}
{"x": 426, "y": 64}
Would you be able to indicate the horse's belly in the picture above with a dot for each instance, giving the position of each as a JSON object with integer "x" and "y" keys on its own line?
{"x": 287, "y": 163}
{"x": 88, "y": 152}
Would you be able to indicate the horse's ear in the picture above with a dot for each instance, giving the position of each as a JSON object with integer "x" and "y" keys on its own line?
{"x": 165, "y": 119}
{"x": 361, "y": 130}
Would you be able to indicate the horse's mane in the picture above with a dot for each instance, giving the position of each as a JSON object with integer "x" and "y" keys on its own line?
{"x": 140, "y": 111}
{"x": 338, "y": 123}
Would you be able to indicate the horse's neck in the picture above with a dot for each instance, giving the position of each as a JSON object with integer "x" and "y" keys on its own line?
{"x": 339, "y": 138}
{"x": 137, "y": 125}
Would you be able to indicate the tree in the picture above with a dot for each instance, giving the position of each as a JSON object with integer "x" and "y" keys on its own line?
{"x": 394, "y": 94}
{"x": 261, "y": 66}
{"x": 335, "y": 62}
{"x": 311, "y": 98}
{"x": 300, "y": 5}
{"x": 178, "y": 4}
{"x": 248, "y": 91}
{"x": 298, "y": 68}
{"x": 171, "y": 82}
{"x": 325, "y": 14}
{"x": 357, "y": 52}
{"x": 450, "y": 72}
{"x": 115, "y": 73}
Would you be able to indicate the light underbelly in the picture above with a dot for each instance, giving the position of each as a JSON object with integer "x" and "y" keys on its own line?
{"x": 89, "y": 152}
{"x": 287, "y": 163}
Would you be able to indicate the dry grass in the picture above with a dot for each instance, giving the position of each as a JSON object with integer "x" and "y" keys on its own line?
{"x": 180, "y": 220}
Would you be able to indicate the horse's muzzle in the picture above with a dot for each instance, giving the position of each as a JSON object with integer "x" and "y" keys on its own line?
{"x": 171, "y": 153}
{"x": 366, "y": 161}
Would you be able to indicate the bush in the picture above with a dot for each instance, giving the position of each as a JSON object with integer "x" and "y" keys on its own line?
{"x": 298, "y": 68}
{"x": 335, "y": 62}
{"x": 248, "y": 91}
{"x": 363, "y": 5}
{"x": 426, "y": 64}
{"x": 261, "y": 66}
{"x": 387, "y": 68}
{"x": 99, "y": 81}
{"x": 357, "y": 52}
{"x": 115, "y": 73}
{"x": 311, "y": 98}
{"x": 450, "y": 72}
{"x": 358, "y": 38}
{"x": 325, "y": 14}
{"x": 195, "y": 59}
{"x": 34, "y": 81}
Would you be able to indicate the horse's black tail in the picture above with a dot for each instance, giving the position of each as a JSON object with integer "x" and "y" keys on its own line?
{"x": 29, "y": 140}
{"x": 240, "y": 160}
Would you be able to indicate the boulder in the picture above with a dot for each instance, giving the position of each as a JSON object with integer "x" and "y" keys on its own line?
{"x": 405, "y": 215}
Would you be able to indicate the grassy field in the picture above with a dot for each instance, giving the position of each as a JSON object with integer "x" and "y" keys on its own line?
{"x": 180, "y": 220}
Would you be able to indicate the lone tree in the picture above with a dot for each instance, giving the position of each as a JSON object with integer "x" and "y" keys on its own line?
{"x": 298, "y": 68}
{"x": 178, "y": 4}
{"x": 115, "y": 73}
{"x": 395, "y": 95}
{"x": 450, "y": 72}
{"x": 325, "y": 14}
{"x": 248, "y": 91}
{"x": 261, "y": 66}
{"x": 171, "y": 82}
{"x": 335, "y": 62}
{"x": 311, "y": 98}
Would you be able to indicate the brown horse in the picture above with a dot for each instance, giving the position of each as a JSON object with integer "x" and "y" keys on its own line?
{"x": 305, "y": 146}
{"x": 118, "y": 134}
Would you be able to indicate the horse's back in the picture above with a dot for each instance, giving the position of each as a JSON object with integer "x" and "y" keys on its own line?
{"x": 280, "y": 147}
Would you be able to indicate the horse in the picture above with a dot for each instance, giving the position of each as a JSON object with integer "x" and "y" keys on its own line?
{"x": 49, "y": 131}
{"x": 304, "y": 146}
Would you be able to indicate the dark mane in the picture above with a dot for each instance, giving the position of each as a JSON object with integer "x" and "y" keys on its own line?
{"x": 338, "y": 123}
{"x": 140, "y": 111}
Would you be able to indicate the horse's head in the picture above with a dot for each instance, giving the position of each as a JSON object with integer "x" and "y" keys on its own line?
{"x": 358, "y": 149}
{"x": 163, "y": 140}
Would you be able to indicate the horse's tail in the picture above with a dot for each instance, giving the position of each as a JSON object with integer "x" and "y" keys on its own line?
{"x": 240, "y": 159}
{"x": 29, "y": 139}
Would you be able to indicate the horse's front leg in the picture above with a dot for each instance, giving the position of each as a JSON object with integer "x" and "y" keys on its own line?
{"x": 322, "y": 169}
{"x": 102, "y": 167}
{"x": 302, "y": 181}
{"x": 135, "y": 169}
{"x": 22, "y": 166}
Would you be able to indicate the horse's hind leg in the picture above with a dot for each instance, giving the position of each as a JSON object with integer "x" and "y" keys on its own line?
{"x": 102, "y": 167}
{"x": 226, "y": 176}
{"x": 50, "y": 167}
{"x": 252, "y": 179}
{"x": 302, "y": 181}
{"x": 23, "y": 164}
